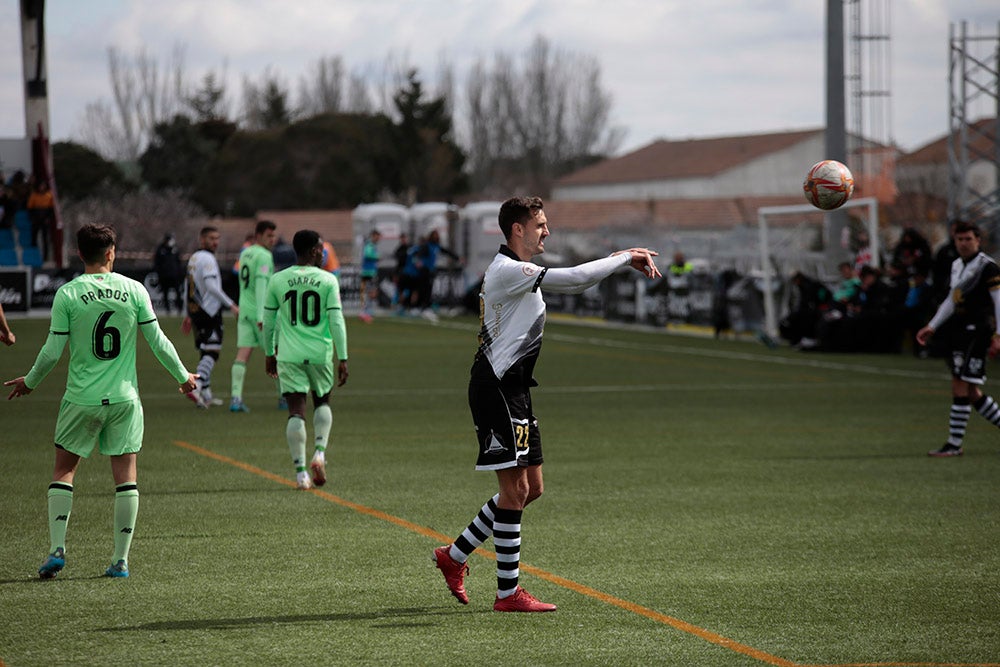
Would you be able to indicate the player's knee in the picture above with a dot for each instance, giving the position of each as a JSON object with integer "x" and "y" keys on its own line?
{"x": 534, "y": 493}
{"x": 321, "y": 400}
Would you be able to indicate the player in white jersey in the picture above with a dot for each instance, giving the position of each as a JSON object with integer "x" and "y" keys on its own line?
{"x": 512, "y": 318}
{"x": 203, "y": 303}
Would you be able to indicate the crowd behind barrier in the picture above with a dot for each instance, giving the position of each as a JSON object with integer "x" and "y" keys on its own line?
{"x": 863, "y": 310}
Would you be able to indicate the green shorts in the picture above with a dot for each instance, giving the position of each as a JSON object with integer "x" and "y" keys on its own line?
{"x": 116, "y": 428}
{"x": 248, "y": 335}
{"x": 303, "y": 378}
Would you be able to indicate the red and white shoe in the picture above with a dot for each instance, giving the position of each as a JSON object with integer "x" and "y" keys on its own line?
{"x": 454, "y": 573}
{"x": 521, "y": 600}
{"x": 318, "y": 468}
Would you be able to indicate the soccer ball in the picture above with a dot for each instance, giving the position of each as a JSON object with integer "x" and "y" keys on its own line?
{"x": 828, "y": 185}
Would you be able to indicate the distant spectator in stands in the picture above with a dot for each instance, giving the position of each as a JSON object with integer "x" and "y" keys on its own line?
{"x": 863, "y": 251}
{"x": 848, "y": 287}
{"x": 331, "y": 262}
{"x": 941, "y": 265}
{"x": 680, "y": 266}
{"x": 369, "y": 276}
{"x": 807, "y": 301}
{"x": 283, "y": 254}
{"x": 7, "y": 207}
{"x": 19, "y": 190}
{"x": 914, "y": 252}
{"x": 399, "y": 254}
{"x": 41, "y": 210}
{"x": 170, "y": 272}
{"x": 428, "y": 271}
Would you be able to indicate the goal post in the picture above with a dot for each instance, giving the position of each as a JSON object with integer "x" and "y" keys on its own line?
{"x": 766, "y": 265}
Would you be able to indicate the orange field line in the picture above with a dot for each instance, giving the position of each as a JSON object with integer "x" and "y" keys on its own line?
{"x": 676, "y": 623}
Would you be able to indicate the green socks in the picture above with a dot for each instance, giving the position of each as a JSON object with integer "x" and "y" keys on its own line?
{"x": 295, "y": 431}
{"x": 239, "y": 372}
{"x": 322, "y": 423}
{"x": 60, "y": 505}
{"x": 126, "y": 509}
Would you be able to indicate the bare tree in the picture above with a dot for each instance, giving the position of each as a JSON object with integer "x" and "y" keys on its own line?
{"x": 331, "y": 88}
{"x": 143, "y": 95}
{"x": 542, "y": 117}
{"x": 266, "y": 103}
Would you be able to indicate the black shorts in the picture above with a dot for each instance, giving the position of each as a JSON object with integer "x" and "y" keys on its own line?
{"x": 969, "y": 345}
{"x": 207, "y": 331}
{"x": 506, "y": 429}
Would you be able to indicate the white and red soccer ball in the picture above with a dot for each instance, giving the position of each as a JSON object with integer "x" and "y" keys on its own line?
{"x": 828, "y": 185}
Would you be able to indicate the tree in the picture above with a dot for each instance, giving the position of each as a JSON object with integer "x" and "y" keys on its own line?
{"x": 210, "y": 102}
{"x": 142, "y": 94}
{"x": 176, "y": 156}
{"x": 430, "y": 162}
{"x": 81, "y": 173}
{"x": 327, "y": 161}
{"x": 542, "y": 119}
{"x": 265, "y": 105}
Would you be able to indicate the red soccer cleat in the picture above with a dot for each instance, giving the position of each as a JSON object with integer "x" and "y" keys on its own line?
{"x": 521, "y": 600}
{"x": 454, "y": 573}
{"x": 318, "y": 467}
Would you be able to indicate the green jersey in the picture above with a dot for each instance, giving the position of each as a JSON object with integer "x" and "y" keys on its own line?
{"x": 256, "y": 267}
{"x": 99, "y": 315}
{"x": 303, "y": 311}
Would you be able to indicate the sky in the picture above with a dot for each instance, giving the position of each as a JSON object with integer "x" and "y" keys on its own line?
{"x": 675, "y": 69}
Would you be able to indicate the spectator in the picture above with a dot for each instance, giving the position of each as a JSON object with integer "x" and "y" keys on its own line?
{"x": 941, "y": 265}
{"x": 169, "y": 271}
{"x": 428, "y": 271}
{"x": 914, "y": 252}
{"x": 808, "y": 300}
{"x": 369, "y": 275}
{"x": 399, "y": 254}
{"x": 41, "y": 210}
{"x": 283, "y": 254}
{"x": 848, "y": 288}
{"x": 8, "y": 206}
{"x": 331, "y": 262}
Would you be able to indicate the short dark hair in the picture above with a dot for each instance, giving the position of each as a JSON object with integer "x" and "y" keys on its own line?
{"x": 518, "y": 210}
{"x": 962, "y": 226}
{"x": 93, "y": 241}
{"x": 205, "y": 231}
{"x": 264, "y": 226}
{"x": 304, "y": 241}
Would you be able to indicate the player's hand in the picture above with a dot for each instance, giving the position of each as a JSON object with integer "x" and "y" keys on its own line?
{"x": 924, "y": 335}
{"x": 994, "y": 346}
{"x": 186, "y": 326}
{"x": 642, "y": 261}
{"x": 190, "y": 384}
{"x": 20, "y": 389}
{"x": 271, "y": 366}
{"x": 7, "y": 337}
{"x": 235, "y": 309}
{"x": 342, "y": 373}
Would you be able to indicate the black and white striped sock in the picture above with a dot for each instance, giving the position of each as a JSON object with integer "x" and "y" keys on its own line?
{"x": 989, "y": 409}
{"x": 476, "y": 532}
{"x": 958, "y": 420}
{"x": 507, "y": 540}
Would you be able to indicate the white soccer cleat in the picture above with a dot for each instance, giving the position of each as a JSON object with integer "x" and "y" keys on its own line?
{"x": 302, "y": 481}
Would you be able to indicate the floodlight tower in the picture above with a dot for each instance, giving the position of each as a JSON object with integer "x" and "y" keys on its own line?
{"x": 869, "y": 126}
{"x": 36, "y": 107}
{"x": 974, "y": 127}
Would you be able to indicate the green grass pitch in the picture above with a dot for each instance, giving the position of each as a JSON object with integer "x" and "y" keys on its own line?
{"x": 707, "y": 503}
